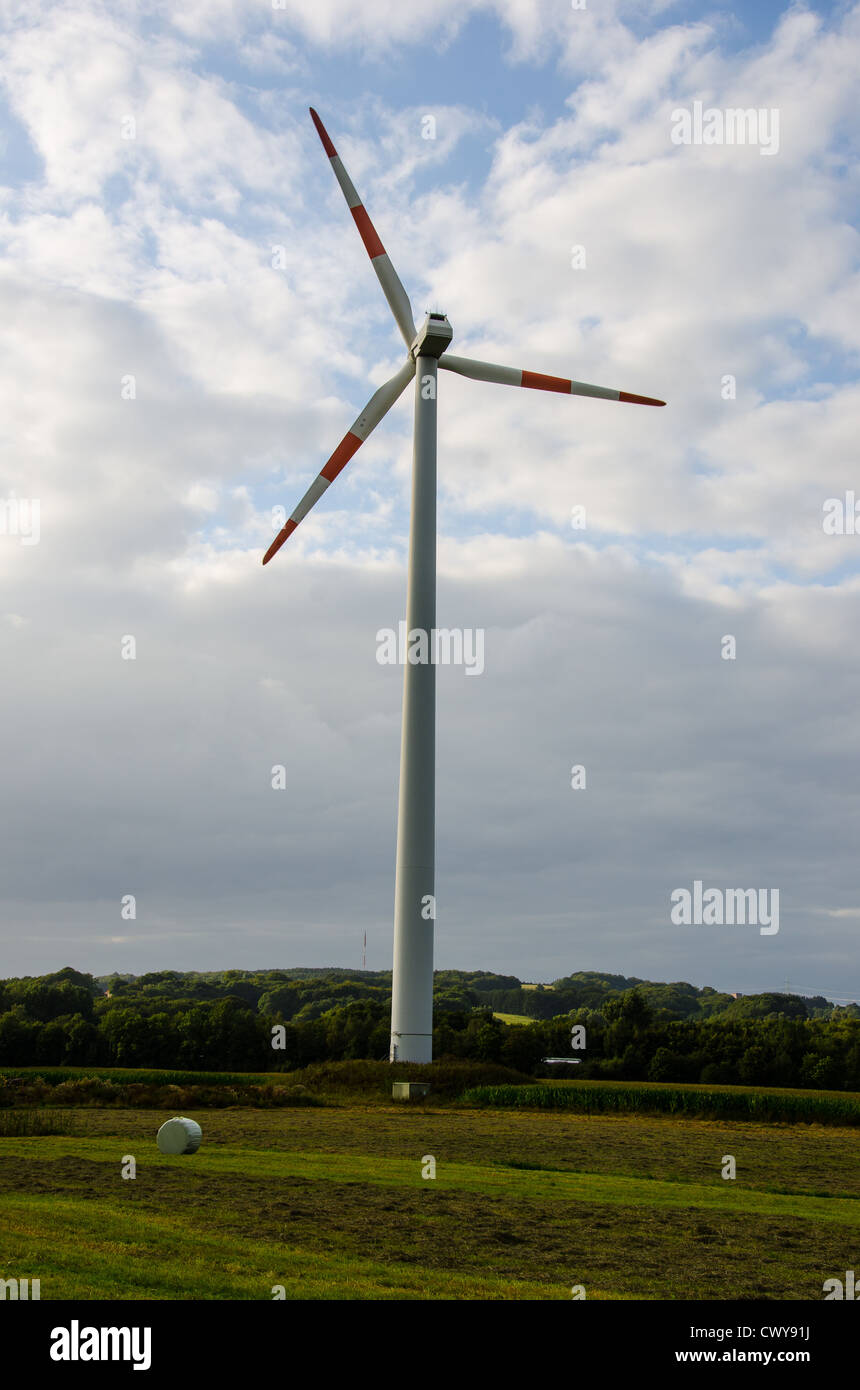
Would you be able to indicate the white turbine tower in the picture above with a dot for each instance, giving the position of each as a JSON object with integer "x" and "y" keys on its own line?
{"x": 414, "y": 893}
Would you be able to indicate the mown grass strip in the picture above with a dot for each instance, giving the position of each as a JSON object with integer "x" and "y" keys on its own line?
{"x": 113, "y": 1252}
{"x": 18, "y": 1123}
{"x": 489, "y": 1180}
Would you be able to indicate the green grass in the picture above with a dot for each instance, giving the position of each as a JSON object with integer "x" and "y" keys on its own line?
{"x": 331, "y": 1203}
{"x": 501, "y": 1179}
{"x": 517, "y": 1019}
{"x": 774, "y": 1158}
{"x": 117, "y": 1254}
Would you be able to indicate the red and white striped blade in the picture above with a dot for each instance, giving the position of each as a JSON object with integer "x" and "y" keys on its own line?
{"x": 392, "y": 288}
{"x": 377, "y": 407}
{"x": 536, "y": 381}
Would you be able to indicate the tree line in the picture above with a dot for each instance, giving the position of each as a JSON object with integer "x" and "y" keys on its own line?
{"x": 282, "y": 1020}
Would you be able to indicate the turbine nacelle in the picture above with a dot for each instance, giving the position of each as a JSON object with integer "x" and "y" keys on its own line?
{"x": 432, "y": 338}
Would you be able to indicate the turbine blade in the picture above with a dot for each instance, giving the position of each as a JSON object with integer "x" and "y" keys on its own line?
{"x": 392, "y": 288}
{"x": 377, "y": 407}
{"x": 514, "y": 376}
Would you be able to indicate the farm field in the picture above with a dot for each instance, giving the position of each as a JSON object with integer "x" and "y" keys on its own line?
{"x": 331, "y": 1203}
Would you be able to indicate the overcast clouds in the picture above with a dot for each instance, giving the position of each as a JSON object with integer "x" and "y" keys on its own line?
{"x": 152, "y": 257}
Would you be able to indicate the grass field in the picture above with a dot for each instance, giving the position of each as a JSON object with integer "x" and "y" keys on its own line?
{"x": 331, "y": 1203}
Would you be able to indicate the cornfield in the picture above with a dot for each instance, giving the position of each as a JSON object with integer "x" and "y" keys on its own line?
{"x": 593, "y": 1098}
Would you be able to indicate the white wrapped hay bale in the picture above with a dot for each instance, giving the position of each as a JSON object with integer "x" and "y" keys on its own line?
{"x": 179, "y": 1136}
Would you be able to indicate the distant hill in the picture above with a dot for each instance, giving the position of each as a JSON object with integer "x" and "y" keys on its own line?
{"x": 465, "y": 989}
{"x": 306, "y": 992}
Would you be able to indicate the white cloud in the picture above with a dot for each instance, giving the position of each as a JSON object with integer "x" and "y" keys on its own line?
{"x": 153, "y": 257}
{"x": 99, "y": 102}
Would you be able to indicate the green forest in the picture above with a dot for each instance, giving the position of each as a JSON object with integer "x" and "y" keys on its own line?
{"x": 281, "y": 1020}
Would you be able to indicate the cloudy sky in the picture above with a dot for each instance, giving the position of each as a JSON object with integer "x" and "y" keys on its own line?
{"x": 189, "y": 324}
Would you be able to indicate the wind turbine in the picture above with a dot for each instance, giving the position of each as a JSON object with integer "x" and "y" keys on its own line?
{"x": 414, "y": 892}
